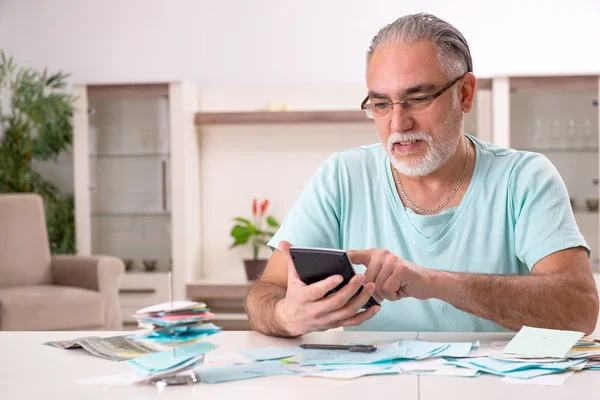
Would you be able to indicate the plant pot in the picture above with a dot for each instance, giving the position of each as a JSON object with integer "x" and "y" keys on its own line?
{"x": 150, "y": 265}
{"x": 128, "y": 264}
{"x": 254, "y": 268}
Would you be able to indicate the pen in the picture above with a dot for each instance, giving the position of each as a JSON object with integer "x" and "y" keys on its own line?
{"x": 356, "y": 348}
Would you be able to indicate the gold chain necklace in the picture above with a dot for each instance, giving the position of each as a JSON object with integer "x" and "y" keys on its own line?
{"x": 432, "y": 210}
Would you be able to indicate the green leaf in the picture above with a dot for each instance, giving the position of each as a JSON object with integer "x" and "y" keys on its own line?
{"x": 242, "y": 220}
{"x": 272, "y": 222}
{"x": 36, "y": 125}
{"x": 241, "y": 234}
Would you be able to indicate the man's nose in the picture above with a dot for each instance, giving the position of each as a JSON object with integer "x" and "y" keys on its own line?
{"x": 401, "y": 119}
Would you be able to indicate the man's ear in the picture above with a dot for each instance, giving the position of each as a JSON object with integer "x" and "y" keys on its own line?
{"x": 467, "y": 92}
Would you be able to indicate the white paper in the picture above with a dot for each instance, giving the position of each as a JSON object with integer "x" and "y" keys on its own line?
{"x": 428, "y": 364}
{"x": 542, "y": 342}
{"x": 485, "y": 352}
{"x": 450, "y": 371}
{"x": 176, "y": 305}
{"x": 544, "y": 380}
{"x": 232, "y": 358}
{"x": 346, "y": 374}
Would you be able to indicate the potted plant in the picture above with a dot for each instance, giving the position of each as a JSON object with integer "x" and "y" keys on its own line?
{"x": 35, "y": 126}
{"x": 254, "y": 233}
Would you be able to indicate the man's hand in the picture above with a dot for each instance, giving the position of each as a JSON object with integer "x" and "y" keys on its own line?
{"x": 394, "y": 277}
{"x": 305, "y": 309}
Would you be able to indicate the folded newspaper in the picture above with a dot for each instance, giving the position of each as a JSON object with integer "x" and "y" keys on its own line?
{"x": 114, "y": 348}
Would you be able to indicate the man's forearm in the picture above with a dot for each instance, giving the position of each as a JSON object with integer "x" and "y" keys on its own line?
{"x": 261, "y": 304}
{"x": 550, "y": 301}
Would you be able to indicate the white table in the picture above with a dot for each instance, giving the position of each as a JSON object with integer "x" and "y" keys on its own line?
{"x": 30, "y": 370}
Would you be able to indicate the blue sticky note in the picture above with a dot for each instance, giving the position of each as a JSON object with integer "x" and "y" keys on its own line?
{"x": 165, "y": 360}
{"x": 270, "y": 353}
{"x": 542, "y": 342}
{"x": 242, "y": 371}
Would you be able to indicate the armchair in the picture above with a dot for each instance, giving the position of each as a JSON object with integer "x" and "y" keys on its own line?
{"x": 39, "y": 291}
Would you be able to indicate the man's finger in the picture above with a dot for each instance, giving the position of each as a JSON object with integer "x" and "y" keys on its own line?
{"x": 360, "y": 257}
{"x": 351, "y": 307}
{"x": 318, "y": 290}
{"x": 361, "y": 317}
{"x": 341, "y": 297}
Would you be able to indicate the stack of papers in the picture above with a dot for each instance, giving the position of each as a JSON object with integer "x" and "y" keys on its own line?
{"x": 175, "y": 323}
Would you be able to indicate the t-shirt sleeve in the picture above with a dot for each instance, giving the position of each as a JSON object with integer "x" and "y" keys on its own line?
{"x": 541, "y": 210}
{"x": 314, "y": 220}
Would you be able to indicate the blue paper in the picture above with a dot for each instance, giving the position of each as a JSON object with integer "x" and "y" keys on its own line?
{"x": 270, "y": 353}
{"x": 407, "y": 349}
{"x": 317, "y": 357}
{"x": 242, "y": 371}
{"x": 153, "y": 363}
{"x": 514, "y": 368}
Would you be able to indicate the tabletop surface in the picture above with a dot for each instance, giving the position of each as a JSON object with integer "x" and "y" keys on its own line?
{"x": 31, "y": 370}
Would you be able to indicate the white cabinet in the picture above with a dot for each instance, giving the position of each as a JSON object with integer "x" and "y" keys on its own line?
{"x": 138, "y": 290}
{"x": 137, "y": 183}
{"x": 558, "y": 117}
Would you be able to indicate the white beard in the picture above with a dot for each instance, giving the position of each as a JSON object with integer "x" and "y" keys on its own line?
{"x": 438, "y": 151}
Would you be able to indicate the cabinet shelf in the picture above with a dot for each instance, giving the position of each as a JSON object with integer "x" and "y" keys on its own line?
{"x": 582, "y": 211}
{"x": 128, "y": 155}
{"x": 132, "y": 214}
{"x": 281, "y": 117}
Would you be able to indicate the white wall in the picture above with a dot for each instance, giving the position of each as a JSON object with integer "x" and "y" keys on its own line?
{"x": 281, "y": 42}
{"x": 245, "y": 53}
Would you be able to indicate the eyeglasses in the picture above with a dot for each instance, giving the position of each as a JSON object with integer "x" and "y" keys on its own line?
{"x": 414, "y": 104}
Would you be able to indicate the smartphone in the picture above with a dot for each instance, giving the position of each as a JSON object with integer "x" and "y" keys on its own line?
{"x": 315, "y": 264}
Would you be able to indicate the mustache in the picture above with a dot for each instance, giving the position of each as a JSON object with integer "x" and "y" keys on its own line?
{"x": 407, "y": 137}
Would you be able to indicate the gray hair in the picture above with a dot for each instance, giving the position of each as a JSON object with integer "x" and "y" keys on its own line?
{"x": 452, "y": 48}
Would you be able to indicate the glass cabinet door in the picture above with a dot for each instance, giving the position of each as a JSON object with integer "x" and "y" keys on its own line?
{"x": 562, "y": 123}
{"x": 130, "y": 181}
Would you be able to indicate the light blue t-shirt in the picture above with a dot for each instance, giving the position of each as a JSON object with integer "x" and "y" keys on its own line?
{"x": 515, "y": 212}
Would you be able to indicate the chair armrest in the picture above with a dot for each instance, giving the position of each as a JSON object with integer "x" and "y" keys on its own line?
{"x": 99, "y": 273}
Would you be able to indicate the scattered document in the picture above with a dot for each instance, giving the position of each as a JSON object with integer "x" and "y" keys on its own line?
{"x": 542, "y": 342}
{"x": 231, "y": 358}
{"x": 242, "y": 371}
{"x": 449, "y": 370}
{"x": 353, "y": 373}
{"x": 271, "y": 353}
{"x": 514, "y": 369}
{"x": 422, "y": 365}
{"x": 114, "y": 348}
{"x": 171, "y": 360}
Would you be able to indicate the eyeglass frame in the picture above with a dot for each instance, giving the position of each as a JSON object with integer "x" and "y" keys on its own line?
{"x": 403, "y": 102}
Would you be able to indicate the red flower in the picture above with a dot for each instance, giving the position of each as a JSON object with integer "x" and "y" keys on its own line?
{"x": 254, "y": 207}
{"x": 263, "y": 207}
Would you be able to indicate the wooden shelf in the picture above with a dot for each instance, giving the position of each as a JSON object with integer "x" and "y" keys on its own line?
{"x": 129, "y": 90}
{"x": 281, "y": 117}
{"x": 573, "y": 82}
